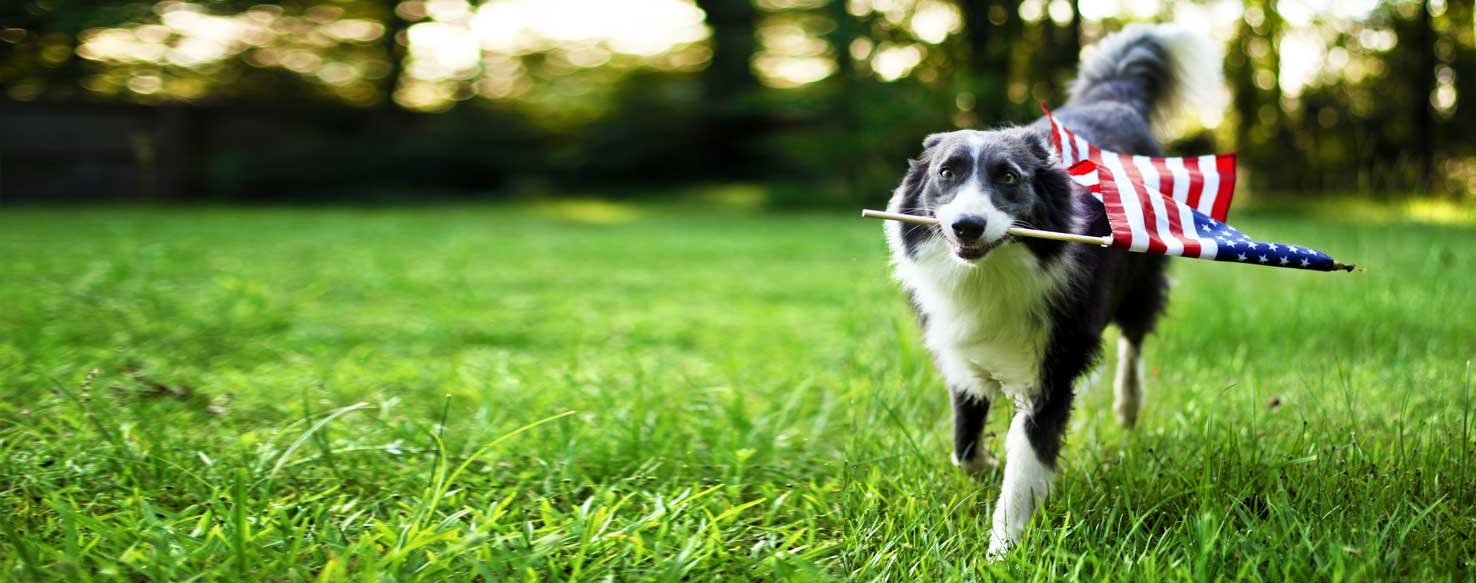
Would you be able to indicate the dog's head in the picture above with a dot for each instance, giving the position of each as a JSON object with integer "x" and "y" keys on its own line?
{"x": 978, "y": 184}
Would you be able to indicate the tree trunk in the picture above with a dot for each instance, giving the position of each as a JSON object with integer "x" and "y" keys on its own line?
{"x": 394, "y": 53}
{"x": 728, "y": 85}
{"x": 844, "y": 100}
{"x": 988, "y": 27}
{"x": 1424, "y": 146}
{"x": 1074, "y": 35}
{"x": 729, "y": 76}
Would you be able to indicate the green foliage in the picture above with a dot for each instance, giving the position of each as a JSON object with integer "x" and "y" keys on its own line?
{"x": 1386, "y": 108}
{"x": 593, "y": 391}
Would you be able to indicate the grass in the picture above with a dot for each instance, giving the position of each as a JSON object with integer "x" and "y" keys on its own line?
{"x": 619, "y": 393}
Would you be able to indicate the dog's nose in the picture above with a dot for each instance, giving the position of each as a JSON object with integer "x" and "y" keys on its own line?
{"x": 968, "y": 228}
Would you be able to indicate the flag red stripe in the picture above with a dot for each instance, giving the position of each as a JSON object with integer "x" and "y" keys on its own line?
{"x": 1176, "y": 228}
{"x": 1196, "y": 181}
{"x": 1117, "y": 219}
{"x": 1170, "y": 221}
{"x": 1226, "y": 166}
{"x": 1055, "y": 134}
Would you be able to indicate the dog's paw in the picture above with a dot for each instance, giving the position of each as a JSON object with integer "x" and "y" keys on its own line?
{"x": 978, "y": 462}
{"x": 1127, "y": 416}
{"x": 998, "y": 547}
{"x": 1128, "y": 403}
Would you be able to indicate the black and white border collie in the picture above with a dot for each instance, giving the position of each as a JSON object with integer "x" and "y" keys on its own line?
{"x": 1022, "y": 319}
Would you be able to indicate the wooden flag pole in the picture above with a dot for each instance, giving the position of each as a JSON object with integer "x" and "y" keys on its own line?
{"x": 1102, "y": 241}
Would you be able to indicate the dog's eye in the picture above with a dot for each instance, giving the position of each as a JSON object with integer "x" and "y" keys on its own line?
{"x": 1009, "y": 177}
{"x": 945, "y": 172}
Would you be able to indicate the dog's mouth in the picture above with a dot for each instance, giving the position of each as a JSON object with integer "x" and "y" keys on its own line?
{"x": 975, "y": 251}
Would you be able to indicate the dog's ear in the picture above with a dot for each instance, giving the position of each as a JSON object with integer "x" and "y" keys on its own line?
{"x": 912, "y": 182}
{"x": 933, "y": 140}
{"x": 1040, "y": 147}
{"x": 911, "y": 189}
{"x": 909, "y": 199}
{"x": 1053, "y": 186}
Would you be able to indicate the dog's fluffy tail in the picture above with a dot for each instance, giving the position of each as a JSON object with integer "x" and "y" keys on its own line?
{"x": 1156, "y": 69}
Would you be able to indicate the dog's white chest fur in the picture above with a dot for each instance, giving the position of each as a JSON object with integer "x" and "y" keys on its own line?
{"x": 988, "y": 324}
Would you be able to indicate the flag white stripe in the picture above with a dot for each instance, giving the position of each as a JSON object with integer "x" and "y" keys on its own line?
{"x": 1130, "y": 206}
{"x": 1207, "y": 246}
{"x": 1088, "y": 180}
{"x": 1148, "y": 172}
{"x": 1161, "y": 221}
{"x": 1170, "y": 187}
{"x": 1211, "y": 172}
{"x": 1180, "y": 179}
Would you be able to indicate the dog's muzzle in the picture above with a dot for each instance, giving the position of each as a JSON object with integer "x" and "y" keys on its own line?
{"x": 968, "y": 237}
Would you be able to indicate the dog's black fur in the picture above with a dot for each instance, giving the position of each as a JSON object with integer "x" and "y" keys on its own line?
{"x": 1114, "y": 101}
{"x": 1102, "y": 279}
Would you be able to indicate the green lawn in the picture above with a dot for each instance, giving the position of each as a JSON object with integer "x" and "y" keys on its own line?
{"x": 454, "y": 393}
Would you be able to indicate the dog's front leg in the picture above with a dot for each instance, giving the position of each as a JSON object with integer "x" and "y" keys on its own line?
{"x": 1031, "y": 449}
{"x": 970, "y": 412}
{"x": 971, "y": 395}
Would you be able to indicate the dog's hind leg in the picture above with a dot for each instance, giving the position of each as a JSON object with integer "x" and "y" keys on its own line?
{"x": 1136, "y": 317}
{"x": 1128, "y": 386}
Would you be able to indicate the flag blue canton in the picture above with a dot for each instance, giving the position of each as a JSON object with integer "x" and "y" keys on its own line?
{"x": 1235, "y": 246}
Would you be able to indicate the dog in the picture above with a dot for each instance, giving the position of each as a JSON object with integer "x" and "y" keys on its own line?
{"x": 1022, "y": 319}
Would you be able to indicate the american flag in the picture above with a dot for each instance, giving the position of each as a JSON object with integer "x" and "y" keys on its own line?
{"x": 1173, "y": 206}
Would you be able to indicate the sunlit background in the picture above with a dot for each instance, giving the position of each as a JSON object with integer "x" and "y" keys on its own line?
{"x": 819, "y": 99}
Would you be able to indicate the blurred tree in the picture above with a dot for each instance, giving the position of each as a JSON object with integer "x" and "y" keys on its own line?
{"x": 44, "y": 57}
{"x": 1253, "y": 70}
{"x": 729, "y": 85}
{"x": 844, "y": 32}
{"x": 852, "y": 84}
{"x": 1396, "y": 112}
{"x": 1423, "y": 78}
{"x": 1064, "y": 44}
{"x": 394, "y": 42}
{"x": 729, "y": 74}
{"x": 1045, "y": 73}
{"x": 990, "y": 29}
{"x": 1459, "y": 87}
